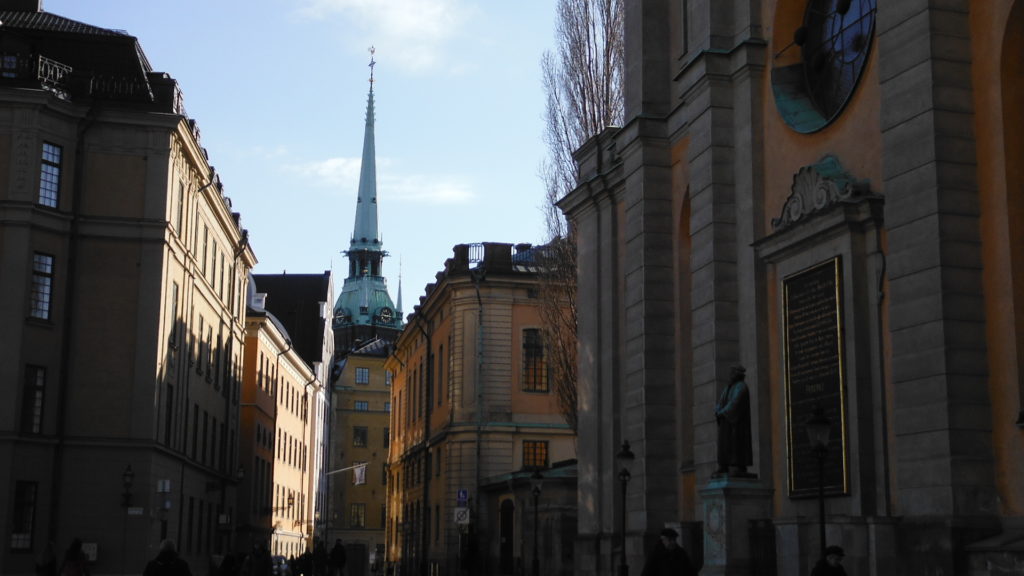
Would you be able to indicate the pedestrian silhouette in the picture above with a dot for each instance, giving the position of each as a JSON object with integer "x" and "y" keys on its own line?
{"x": 167, "y": 562}
{"x": 75, "y": 562}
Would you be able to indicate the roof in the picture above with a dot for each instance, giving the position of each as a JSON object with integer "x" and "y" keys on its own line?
{"x": 48, "y": 22}
{"x": 375, "y": 347}
{"x": 295, "y": 300}
{"x": 83, "y": 46}
{"x": 76, "y": 60}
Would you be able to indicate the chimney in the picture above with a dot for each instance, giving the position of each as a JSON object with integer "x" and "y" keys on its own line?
{"x": 22, "y": 5}
{"x": 259, "y": 301}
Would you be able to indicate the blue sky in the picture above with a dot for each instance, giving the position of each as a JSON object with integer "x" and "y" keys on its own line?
{"x": 278, "y": 88}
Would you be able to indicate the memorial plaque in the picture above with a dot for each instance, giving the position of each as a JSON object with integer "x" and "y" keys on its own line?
{"x": 813, "y": 348}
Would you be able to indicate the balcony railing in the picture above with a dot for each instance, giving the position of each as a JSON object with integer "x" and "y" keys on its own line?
{"x": 36, "y": 70}
{"x": 31, "y": 68}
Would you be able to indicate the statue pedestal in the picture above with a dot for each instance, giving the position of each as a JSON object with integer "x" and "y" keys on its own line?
{"x": 729, "y": 505}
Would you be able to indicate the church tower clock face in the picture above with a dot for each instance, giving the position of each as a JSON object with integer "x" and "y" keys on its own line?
{"x": 815, "y": 74}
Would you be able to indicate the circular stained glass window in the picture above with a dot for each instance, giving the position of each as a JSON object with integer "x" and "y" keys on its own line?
{"x": 834, "y": 42}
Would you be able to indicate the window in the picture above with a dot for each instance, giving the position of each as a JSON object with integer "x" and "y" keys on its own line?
{"x": 32, "y": 406}
{"x": 357, "y": 516}
{"x": 42, "y": 286}
{"x": 24, "y": 515}
{"x": 9, "y": 66}
{"x": 535, "y": 369}
{"x": 362, "y": 405}
{"x": 174, "y": 315}
{"x": 180, "y": 209}
{"x": 359, "y": 436}
{"x": 535, "y": 454}
{"x": 362, "y": 375}
{"x": 49, "y": 175}
{"x": 387, "y": 377}
{"x": 206, "y": 240}
{"x": 387, "y": 406}
{"x": 440, "y": 375}
{"x": 387, "y": 437}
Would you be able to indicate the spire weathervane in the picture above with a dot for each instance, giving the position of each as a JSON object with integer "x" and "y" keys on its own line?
{"x": 372, "y": 64}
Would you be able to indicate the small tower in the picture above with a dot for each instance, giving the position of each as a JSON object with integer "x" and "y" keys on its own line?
{"x": 364, "y": 308}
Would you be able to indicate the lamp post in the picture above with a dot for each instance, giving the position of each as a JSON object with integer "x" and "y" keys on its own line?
{"x": 625, "y": 458}
{"x": 536, "y": 480}
{"x": 127, "y": 479}
{"x": 818, "y": 429}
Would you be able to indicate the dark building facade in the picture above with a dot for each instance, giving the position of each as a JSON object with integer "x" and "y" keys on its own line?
{"x": 124, "y": 274}
{"x": 828, "y": 194}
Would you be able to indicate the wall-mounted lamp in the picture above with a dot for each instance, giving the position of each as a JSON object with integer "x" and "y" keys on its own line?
{"x": 127, "y": 479}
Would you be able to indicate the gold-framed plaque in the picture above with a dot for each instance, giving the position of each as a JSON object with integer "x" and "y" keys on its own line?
{"x": 815, "y": 376}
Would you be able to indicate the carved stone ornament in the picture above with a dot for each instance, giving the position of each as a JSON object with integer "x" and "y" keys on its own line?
{"x": 816, "y": 188}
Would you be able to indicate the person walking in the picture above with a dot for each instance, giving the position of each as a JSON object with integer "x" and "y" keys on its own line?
{"x": 337, "y": 559}
{"x": 831, "y": 564}
{"x": 75, "y": 562}
{"x": 167, "y": 562}
{"x": 46, "y": 562}
{"x": 668, "y": 558}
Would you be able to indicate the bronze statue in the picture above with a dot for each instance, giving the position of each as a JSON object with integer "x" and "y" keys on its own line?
{"x": 732, "y": 412}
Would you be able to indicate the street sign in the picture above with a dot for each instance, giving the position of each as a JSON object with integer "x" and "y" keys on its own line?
{"x": 463, "y": 496}
{"x": 462, "y": 515}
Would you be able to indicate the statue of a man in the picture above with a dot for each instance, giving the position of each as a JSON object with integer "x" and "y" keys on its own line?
{"x": 732, "y": 412}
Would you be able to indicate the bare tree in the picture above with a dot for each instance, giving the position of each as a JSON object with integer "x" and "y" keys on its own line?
{"x": 583, "y": 83}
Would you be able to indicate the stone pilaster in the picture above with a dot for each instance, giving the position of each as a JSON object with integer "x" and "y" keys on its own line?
{"x": 942, "y": 413}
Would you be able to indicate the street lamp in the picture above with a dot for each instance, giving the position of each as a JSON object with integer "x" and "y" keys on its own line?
{"x": 818, "y": 429}
{"x": 536, "y": 480}
{"x": 127, "y": 479}
{"x": 625, "y": 458}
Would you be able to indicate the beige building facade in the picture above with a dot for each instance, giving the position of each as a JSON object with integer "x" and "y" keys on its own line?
{"x": 474, "y": 414}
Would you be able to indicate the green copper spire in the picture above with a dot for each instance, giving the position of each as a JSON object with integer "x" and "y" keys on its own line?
{"x": 364, "y": 235}
{"x": 364, "y": 298}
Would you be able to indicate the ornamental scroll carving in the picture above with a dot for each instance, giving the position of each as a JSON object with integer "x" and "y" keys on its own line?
{"x": 816, "y": 188}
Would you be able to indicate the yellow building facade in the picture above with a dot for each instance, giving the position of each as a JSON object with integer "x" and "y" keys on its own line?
{"x": 362, "y": 435}
{"x": 474, "y": 414}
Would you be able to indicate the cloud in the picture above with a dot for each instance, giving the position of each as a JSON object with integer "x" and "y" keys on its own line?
{"x": 336, "y": 173}
{"x": 342, "y": 175}
{"x": 429, "y": 190}
{"x": 413, "y": 33}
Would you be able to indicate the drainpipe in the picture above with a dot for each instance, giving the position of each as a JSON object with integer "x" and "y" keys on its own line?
{"x": 477, "y": 276}
{"x": 427, "y": 399}
{"x": 309, "y": 448}
{"x": 883, "y": 409}
{"x": 65, "y": 347}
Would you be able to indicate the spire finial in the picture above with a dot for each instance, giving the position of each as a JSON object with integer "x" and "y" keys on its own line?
{"x": 372, "y": 64}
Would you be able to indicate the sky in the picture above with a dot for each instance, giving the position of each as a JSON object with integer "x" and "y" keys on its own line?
{"x": 279, "y": 87}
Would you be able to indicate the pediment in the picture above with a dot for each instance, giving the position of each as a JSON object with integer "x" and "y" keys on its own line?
{"x": 816, "y": 188}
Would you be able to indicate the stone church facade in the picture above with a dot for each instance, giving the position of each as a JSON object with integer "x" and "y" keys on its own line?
{"x": 829, "y": 194}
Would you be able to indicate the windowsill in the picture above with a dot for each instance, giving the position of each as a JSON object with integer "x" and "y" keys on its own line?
{"x": 41, "y": 322}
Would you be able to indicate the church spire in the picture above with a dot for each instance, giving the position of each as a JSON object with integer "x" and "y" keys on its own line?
{"x": 399, "y": 303}
{"x": 365, "y": 235}
{"x": 364, "y": 300}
